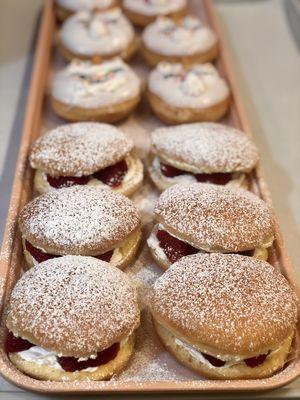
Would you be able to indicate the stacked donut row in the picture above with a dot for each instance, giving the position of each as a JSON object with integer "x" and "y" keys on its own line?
{"x": 220, "y": 307}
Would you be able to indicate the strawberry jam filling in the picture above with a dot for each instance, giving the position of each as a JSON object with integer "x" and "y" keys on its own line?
{"x": 41, "y": 256}
{"x": 250, "y": 362}
{"x": 217, "y": 178}
{"x": 71, "y": 364}
{"x": 15, "y": 344}
{"x": 111, "y": 176}
{"x": 174, "y": 248}
{"x": 216, "y": 362}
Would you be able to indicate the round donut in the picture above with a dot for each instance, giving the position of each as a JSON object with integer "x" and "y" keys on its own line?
{"x": 107, "y": 92}
{"x": 142, "y": 13}
{"x": 203, "y": 152}
{"x": 97, "y": 36}
{"x": 65, "y": 8}
{"x": 179, "y": 94}
{"x": 226, "y": 316}
{"x": 85, "y": 153}
{"x": 81, "y": 220}
{"x": 186, "y": 40}
{"x": 198, "y": 217}
{"x": 72, "y": 318}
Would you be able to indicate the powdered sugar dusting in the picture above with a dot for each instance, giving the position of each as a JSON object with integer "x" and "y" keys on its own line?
{"x": 79, "y": 149}
{"x": 74, "y": 305}
{"x": 235, "y": 303}
{"x": 216, "y": 217}
{"x": 210, "y": 147}
{"x": 79, "y": 220}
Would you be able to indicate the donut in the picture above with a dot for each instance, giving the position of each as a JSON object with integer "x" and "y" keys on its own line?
{"x": 72, "y": 318}
{"x": 65, "y": 8}
{"x": 186, "y": 40}
{"x": 80, "y": 220}
{"x": 225, "y": 316}
{"x": 179, "y": 94}
{"x": 96, "y": 36}
{"x": 83, "y": 91}
{"x": 203, "y": 152}
{"x": 204, "y": 218}
{"x": 143, "y": 12}
{"x": 85, "y": 153}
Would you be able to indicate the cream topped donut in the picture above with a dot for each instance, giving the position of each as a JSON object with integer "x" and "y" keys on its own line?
{"x": 97, "y": 36}
{"x": 85, "y": 153}
{"x": 198, "y": 217}
{"x": 203, "y": 152}
{"x": 80, "y": 220}
{"x": 186, "y": 40}
{"x": 142, "y": 12}
{"x": 179, "y": 94}
{"x": 225, "y": 316}
{"x": 65, "y": 8}
{"x": 107, "y": 92}
{"x": 72, "y": 318}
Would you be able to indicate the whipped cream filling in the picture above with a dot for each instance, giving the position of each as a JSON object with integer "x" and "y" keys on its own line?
{"x": 197, "y": 87}
{"x": 237, "y": 177}
{"x": 40, "y": 356}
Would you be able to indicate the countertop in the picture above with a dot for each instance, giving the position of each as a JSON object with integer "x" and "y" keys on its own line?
{"x": 267, "y": 65}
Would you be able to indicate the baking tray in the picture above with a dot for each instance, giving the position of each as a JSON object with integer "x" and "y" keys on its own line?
{"x": 152, "y": 369}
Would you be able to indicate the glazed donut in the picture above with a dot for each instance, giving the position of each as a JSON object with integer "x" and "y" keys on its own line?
{"x": 143, "y": 12}
{"x": 185, "y": 41}
{"x": 225, "y": 316}
{"x": 83, "y": 91}
{"x": 80, "y": 220}
{"x": 203, "y": 152}
{"x": 85, "y": 153}
{"x": 97, "y": 36}
{"x": 72, "y": 318}
{"x": 65, "y": 8}
{"x": 178, "y": 94}
{"x": 199, "y": 217}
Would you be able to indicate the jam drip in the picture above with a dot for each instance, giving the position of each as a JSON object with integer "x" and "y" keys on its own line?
{"x": 40, "y": 256}
{"x": 174, "y": 248}
{"x": 111, "y": 176}
{"x": 256, "y": 361}
{"x": 217, "y": 178}
{"x": 15, "y": 344}
{"x": 71, "y": 364}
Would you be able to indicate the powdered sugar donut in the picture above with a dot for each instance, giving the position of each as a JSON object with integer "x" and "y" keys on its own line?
{"x": 203, "y": 152}
{"x": 80, "y": 220}
{"x": 85, "y": 153}
{"x": 106, "y": 92}
{"x": 186, "y": 40}
{"x": 225, "y": 316}
{"x": 65, "y": 8}
{"x": 96, "y": 36}
{"x": 203, "y": 218}
{"x": 72, "y": 318}
{"x": 142, "y": 12}
{"x": 178, "y": 94}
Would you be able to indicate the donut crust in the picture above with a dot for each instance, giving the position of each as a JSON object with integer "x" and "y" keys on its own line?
{"x": 110, "y": 113}
{"x": 172, "y": 115}
{"x": 152, "y": 58}
{"x": 103, "y": 372}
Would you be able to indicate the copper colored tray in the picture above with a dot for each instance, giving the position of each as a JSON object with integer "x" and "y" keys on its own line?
{"x": 151, "y": 369}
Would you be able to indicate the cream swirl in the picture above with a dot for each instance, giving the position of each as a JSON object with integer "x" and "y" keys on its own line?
{"x": 154, "y": 7}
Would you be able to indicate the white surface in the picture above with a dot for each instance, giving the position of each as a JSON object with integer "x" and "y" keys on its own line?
{"x": 267, "y": 65}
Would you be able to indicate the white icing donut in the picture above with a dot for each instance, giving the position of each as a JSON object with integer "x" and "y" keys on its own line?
{"x": 88, "y": 85}
{"x": 171, "y": 38}
{"x": 89, "y": 33}
{"x": 154, "y": 7}
{"x": 76, "y": 5}
{"x": 198, "y": 87}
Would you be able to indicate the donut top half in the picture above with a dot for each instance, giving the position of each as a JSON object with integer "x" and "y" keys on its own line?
{"x": 198, "y": 86}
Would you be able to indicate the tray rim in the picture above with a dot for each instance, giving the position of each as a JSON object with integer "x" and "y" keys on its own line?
{"x": 31, "y": 124}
